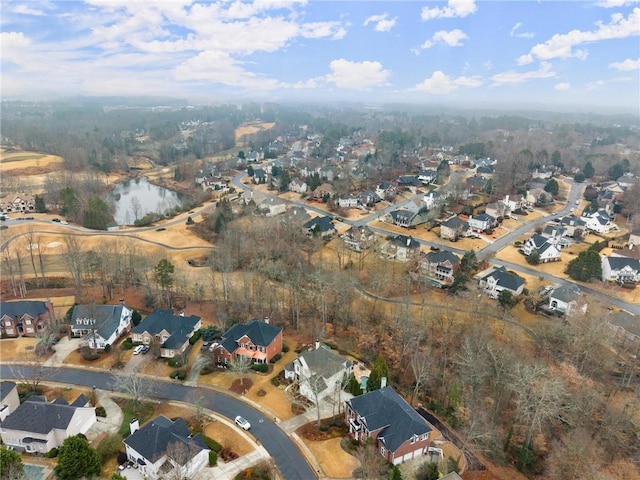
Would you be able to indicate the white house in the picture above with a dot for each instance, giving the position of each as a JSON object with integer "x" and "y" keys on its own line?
{"x": 350, "y": 201}
{"x": 500, "y": 279}
{"x": 166, "y": 448}
{"x": 620, "y": 269}
{"x": 481, "y": 222}
{"x": 298, "y": 185}
{"x": 101, "y": 325}
{"x": 37, "y": 426}
{"x": 599, "y": 222}
{"x": 320, "y": 372}
{"x": 546, "y": 249}
{"x": 9, "y": 399}
{"x": 567, "y": 299}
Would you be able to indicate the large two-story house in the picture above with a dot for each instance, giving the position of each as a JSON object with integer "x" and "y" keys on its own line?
{"x": 453, "y": 229}
{"x": 547, "y": 251}
{"x": 599, "y": 222}
{"x": 401, "y": 248}
{"x": 26, "y": 318}
{"x": 171, "y": 332}
{"x": 258, "y": 341}
{"x": 320, "y": 372}
{"x": 399, "y": 432}
{"x": 358, "y": 238}
{"x": 498, "y": 280}
{"x": 620, "y": 269}
{"x": 100, "y": 325}
{"x": 37, "y": 425}
{"x": 439, "y": 267}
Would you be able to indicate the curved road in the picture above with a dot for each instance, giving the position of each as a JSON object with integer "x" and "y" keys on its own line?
{"x": 289, "y": 459}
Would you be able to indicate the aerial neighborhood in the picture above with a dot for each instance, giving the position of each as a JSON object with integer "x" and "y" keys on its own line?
{"x": 366, "y": 298}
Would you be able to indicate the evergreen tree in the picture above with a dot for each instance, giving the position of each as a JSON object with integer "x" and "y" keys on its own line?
{"x": 77, "y": 460}
{"x": 506, "y": 299}
{"x": 11, "y": 467}
{"x": 135, "y": 318}
{"x": 379, "y": 370}
{"x": 164, "y": 273}
{"x": 534, "y": 257}
{"x": 552, "y": 187}
{"x": 250, "y": 171}
{"x": 579, "y": 177}
{"x": 588, "y": 170}
{"x": 96, "y": 215}
{"x": 585, "y": 266}
{"x": 469, "y": 262}
{"x": 69, "y": 202}
{"x": 39, "y": 204}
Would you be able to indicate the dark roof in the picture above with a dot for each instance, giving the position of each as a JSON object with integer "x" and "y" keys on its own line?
{"x": 386, "y": 409}
{"x": 178, "y": 326}
{"x": 404, "y": 241}
{"x": 36, "y": 415}
{"x": 538, "y": 240}
{"x": 320, "y": 224}
{"x": 618, "y": 263}
{"x": 455, "y": 223}
{"x": 81, "y": 401}
{"x": 566, "y": 293}
{"x": 484, "y": 217}
{"x": 22, "y": 307}
{"x": 152, "y": 440}
{"x": 442, "y": 256}
{"x": 323, "y": 361}
{"x": 260, "y": 333}
{"x": 5, "y": 388}
{"x": 107, "y": 317}
{"x": 505, "y": 279}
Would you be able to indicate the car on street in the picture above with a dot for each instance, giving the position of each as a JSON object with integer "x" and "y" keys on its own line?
{"x": 57, "y": 220}
{"x": 138, "y": 349}
{"x": 205, "y": 345}
{"x": 64, "y": 222}
{"x": 242, "y": 423}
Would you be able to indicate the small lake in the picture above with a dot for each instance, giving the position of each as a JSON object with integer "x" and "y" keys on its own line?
{"x": 135, "y": 198}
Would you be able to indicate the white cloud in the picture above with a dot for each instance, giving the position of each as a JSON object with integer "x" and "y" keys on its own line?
{"x": 382, "y": 22}
{"x": 454, "y": 8}
{"x": 616, "y": 3}
{"x": 357, "y": 75}
{"x": 562, "y": 86}
{"x": 525, "y": 59}
{"x": 488, "y": 65}
{"x": 594, "y": 85}
{"x": 28, "y": 10}
{"x": 626, "y": 65}
{"x": 519, "y": 77}
{"x": 515, "y": 33}
{"x": 440, "y": 83}
{"x": 14, "y": 46}
{"x": 452, "y": 38}
{"x": 562, "y": 45}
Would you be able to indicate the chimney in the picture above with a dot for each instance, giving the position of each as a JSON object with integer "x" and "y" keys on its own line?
{"x": 134, "y": 425}
{"x": 121, "y": 301}
{"x": 383, "y": 382}
{"x": 266, "y": 320}
{"x": 317, "y": 344}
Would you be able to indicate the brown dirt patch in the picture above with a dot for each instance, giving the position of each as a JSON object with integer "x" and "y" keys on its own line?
{"x": 241, "y": 385}
{"x": 14, "y": 349}
{"x": 333, "y": 460}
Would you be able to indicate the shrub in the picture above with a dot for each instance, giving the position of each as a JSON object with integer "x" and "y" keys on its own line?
{"x": 175, "y": 362}
{"x": 107, "y": 348}
{"x": 628, "y": 286}
{"x": 195, "y": 337}
{"x": 285, "y": 348}
{"x": 127, "y": 344}
{"x": 276, "y": 357}
{"x": 101, "y": 412}
{"x": 89, "y": 355}
{"x": 213, "y": 458}
{"x": 109, "y": 446}
{"x": 275, "y": 381}
{"x": 122, "y": 458}
{"x": 53, "y": 453}
{"x": 332, "y": 346}
{"x": 212, "y": 444}
{"x": 179, "y": 374}
{"x": 260, "y": 367}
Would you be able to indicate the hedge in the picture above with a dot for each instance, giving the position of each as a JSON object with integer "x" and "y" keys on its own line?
{"x": 195, "y": 337}
{"x": 179, "y": 374}
{"x": 213, "y": 458}
{"x": 276, "y": 357}
{"x": 175, "y": 362}
{"x": 212, "y": 444}
{"x": 53, "y": 453}
{"x": 260, "y": 367}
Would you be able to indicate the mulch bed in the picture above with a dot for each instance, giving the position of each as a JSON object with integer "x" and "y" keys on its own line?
{"x": 241, "y": 388}
{"x": 329, "y": 428}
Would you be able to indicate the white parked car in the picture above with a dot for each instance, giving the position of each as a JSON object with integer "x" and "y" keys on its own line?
{"x": 138, "y": 350}
{"x": 242, "y": 423}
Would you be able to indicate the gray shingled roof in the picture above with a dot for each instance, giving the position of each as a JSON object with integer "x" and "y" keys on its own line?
{"x": 320, "y": 224}
{"x": 179, "y": 327}
{"x": 152, "y": 440}
{"x": 5, "y": 388}
{"x": 260, "y": 333}
{"x": 566, "y": 293}
{"x": 107, "y": 317}
{"x": 36, "y": 415}
{"x": 22, "y": 307}
{"x": 505, "y": 279}
{"x": 618, "y": 263}
{"x": 442, "y": 256}
{"x": 324, "y": 362}
{"x": 454, "y": 223}
{"x": 386, "y": 409}
{"x": 404, "y": 241}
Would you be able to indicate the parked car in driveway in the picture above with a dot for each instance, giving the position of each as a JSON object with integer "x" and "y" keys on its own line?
{"x": 242, "y": 423}
{"x": 138, "y": 349}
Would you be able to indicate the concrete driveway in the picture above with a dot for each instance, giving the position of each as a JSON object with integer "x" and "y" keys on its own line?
{"x": 63, "y": 348}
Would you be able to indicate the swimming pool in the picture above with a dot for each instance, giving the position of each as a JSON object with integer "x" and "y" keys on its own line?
{"x": 33, "y": 472}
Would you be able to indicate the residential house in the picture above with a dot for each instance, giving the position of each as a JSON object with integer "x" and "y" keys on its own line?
{"x": 349, "y": 201}
{"x": 218, "y": 184}
{"x": 257, "y": 341}
{"x": 259, "y": 176}
{"x": 272, "y": 206}
{"x": 573, "y": 225}
{"x": 427, "y": 176}
{"x": 9, "y": 399}
{"x": 100, "y": 325}
{"x": 369, "y": 198}
{"x": 26, "y": 318}
{"x": 567, "y": 300}
{"x": 253, "y": 157}
{"x": 498, "y": 209}
{"x": 481, "y": 222}
{"x": 399, "y": 432}
{"x": 515, "y": 202}
{"x": 295, "y": 216}
{"x": 298, "y": 185}
{"x": 320, "y": 226}
{"x": 407, "y": 218}
{"x": 408, "y": 181}
{"x": 476, "y": 183}
{"x": 401, "y": 248}
{"x": 327, "y": 173}
{"x": 557, "y": 235}
{"x": 386, "y": 191}
{"x": 358, "y": 238}
{"x": 326, "y": 189}
{"x": 599, "y": 222}
{"x": 454, "y": 229}
{"x": 37, "y": 426}
{"x": 620, "y": 269}
{"x": 320, "y": 372}
{"x": 171, "y": 332}
{"x": 547, "y": 251}
{"x": 14, "y": 203}
{"x": 627, "y": 180}
{"x": 499, "y": 279}
{"x": 634, "y": 238}
{"x": 440, "y": 267}
{"x": 166, "y": 448}
{"x": 433, "y": 199}
{"x": 485, "y": 171}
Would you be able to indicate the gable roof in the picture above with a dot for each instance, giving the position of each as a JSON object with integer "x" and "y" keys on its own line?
{"x": 152, "y": 440}
{"x": 319, "y": 224}
{"x": 455, "y": 223}
{"x": 618, "y": 263}
{"x": 17, "y": 309}
{"x": 566, "y": 293}
{"x": 260, "y": 333}
{"x": 404, "y": 241}
{"x": 323, "y": 361}
{"x": 178, "y": 326}
{"x": 6, "y": 387}
{"x": 505, "y": 279}
{"x": 442, "y": 256}
{"x": 386, "y": 409}
{"x": 36, "y": 415}
{"x": 107, "y": 317}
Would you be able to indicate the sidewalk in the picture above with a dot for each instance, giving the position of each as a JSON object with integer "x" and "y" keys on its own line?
{"x": 227, "y": 471}
{"x": 109, "y": 424}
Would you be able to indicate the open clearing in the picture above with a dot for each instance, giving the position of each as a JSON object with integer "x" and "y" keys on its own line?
{"x": 20, "y": 159}
{"x": 251, "y": 128}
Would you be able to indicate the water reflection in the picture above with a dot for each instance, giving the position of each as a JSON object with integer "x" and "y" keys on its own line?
{"x": 135, "y": 198}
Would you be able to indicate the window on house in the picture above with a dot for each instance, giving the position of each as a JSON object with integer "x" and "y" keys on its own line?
{"x": 383, "y": 450}
{"x": 413, "y": 439}
{"x": 423, "y": 436}
{"x": 27, "y": 322}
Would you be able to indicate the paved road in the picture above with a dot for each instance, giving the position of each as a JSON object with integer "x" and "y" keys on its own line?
{"x": 290, "y": 461}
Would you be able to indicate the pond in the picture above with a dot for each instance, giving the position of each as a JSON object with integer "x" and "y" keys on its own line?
{"x": 135, "y": 198}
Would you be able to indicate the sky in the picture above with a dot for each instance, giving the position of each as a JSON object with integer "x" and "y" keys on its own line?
{"x": 459, "y": 52}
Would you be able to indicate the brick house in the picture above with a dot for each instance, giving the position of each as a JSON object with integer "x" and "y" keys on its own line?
{"x": 440, "y": 267}
{"x": 256, "y": 340}
{"x": 26, "y": 318}
{"x": 399, "y": 432}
